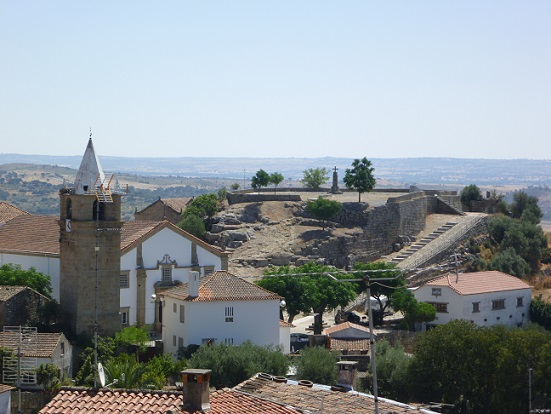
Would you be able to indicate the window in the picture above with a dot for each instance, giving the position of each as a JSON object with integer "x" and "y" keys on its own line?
{"x": 228, "y": 341}
{"x": 174, "y": 308}
{"x": 498, "y": 304}
{"x": 180, "y": 342}
{"x": 182, "y": 314}
{"x": 520, "y": 302}
{"x": 125, "y": 313}
{"x": 440, "y": 307}
{"x": 207, "y": 270}
{"x": 173, "y": 340}
{"x": 476, "y": 307}
{"x": 124, "y": 280}
{"x": 166, "y": 275}
{"x": 229, "y": 313}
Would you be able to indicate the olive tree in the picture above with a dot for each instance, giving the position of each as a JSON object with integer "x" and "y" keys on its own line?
{"x": 360, "y": 177}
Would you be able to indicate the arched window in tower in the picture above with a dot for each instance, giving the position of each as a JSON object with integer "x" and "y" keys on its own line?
{"x": 99, "y": 211}
{"x": 69, "y": 209}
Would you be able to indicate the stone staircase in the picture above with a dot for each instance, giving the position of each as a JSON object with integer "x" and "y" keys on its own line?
{"x": 423, "y": 242}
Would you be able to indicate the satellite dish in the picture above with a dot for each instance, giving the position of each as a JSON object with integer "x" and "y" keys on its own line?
{"x": 101, "y": 374}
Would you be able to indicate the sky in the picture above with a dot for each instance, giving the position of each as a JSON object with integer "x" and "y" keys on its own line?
{"x": 380, "y": 79}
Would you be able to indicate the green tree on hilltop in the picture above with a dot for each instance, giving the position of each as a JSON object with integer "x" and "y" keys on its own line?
{"x": 323, "y": 209}
{"x": 260, "y": 179}
{"x": 315, "y": 177}
{"x": 360, "y": 177}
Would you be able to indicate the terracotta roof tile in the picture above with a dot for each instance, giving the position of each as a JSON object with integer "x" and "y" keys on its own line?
{"x": 5, "y": 387}
{"x": 177, "y": 204}
{"x": 43, "y": 346}
{"x": 479, "y": 282}
{"x": 283, "y": 324}
{"x": 30, "y": 234}
{"x": 343, "y": 326}
{"x": 222, "y": 286}
{"x": 8, "y": 212}
{"x": 349, "y": 344}
{"x": 320, "y": 398}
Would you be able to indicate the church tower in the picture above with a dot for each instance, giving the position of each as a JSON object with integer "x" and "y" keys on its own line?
{"x": 90, "y": 243}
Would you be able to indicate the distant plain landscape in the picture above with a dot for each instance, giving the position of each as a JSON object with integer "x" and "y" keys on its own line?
{"x": 150, "y": 178}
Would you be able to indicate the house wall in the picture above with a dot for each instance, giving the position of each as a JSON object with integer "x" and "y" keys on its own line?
{"x": 257, "y": 321}
{"x": 5, "y": 402}
{"x": 461, "y": 306}
{"x": 285, "y": 339}
{"x": 49, "y": 265}
{"x": 153, "y": 250}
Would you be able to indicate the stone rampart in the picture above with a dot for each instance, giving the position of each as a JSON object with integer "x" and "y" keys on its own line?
{"x": 236, "y": 198}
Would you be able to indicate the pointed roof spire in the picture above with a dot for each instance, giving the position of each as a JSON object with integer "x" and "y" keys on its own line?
{"x": 89, "y": 170}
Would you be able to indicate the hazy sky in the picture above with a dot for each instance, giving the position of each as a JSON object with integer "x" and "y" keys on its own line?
{"x": 279, "y": 78}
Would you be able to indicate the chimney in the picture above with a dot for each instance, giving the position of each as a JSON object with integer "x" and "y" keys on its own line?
{"x": 196, "y": 389}
{"x": 193, "y": 284}
{"x": 347, "y": 374}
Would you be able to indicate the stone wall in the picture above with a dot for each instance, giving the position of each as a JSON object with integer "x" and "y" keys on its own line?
{"x": 235, "y": 198}
{"x": 31, "y": 401}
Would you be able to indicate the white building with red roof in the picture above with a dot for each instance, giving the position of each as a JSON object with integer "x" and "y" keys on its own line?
{"x": 484, "y": 298}
{"x": 220, "y": 307}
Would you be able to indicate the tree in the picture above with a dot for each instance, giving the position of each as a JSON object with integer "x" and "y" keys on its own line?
{"x": 126, "y": 370}
{"x": 276, "y": 178}
{"x": 131, "y": 339}
{"x": 315, "y": 177}
{"x": 234, "y": 186}
{"x": 525, "y": 207}
{"x": 360, "y": 177}
{"x": 49, "y": 376}
{"x": 380, "y": 289}
{"x": 222, "y": 194}
{"x": 315, "y": 290}
{"x": 469, "y": 194}
{"x": 161, "y": 370}
{"x": 323, "y": 209}
{"x": 14, "y": 275}
{"x": 260, "y": 179}
{"x": 204, "y": 206}
{"x": 414, "y": 311}
{"x": 318, "y": 364}
{"x": 193, "y": 225}
{"x": 231, "y": 365}
{"x": 392, "y": 371}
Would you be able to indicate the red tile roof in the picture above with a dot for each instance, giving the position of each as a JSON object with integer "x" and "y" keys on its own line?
{"x": 349, "y": 344}
{"x": 222, "y": 286}
{"x": 4, "y": 388}
{"x": 42, "y": 345}
{"x": 8, "y": 211}
{"x": 30, "y": 234}
{"x": 479, "y": 282}
{"x": 320, "y": 399}
{"x": 104, "y": 401}
{"x": 343, "y": 326}
{"x": 283, "y": 324}
{"x": 177, "y": 204}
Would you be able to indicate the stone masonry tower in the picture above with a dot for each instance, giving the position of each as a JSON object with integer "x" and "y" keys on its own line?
{"x": 90, "y": 242}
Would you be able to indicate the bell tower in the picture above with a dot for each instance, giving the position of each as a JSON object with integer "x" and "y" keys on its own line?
{"x": 90, "y": 242}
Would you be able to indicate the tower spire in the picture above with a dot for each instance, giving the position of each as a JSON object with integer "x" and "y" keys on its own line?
{"x": 89, "y": 171}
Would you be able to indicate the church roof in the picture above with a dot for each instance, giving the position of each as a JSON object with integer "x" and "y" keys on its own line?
{"x": 222, "y": 286}
{"x": 89, "y": 170}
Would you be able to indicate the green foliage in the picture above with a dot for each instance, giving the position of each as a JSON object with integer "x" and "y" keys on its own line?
{"x": 205, "y": 206}
{"x": 231, "y": 365}
{"x": 185, "y": 352}
{"x": 161, "y": 370}
{"x": 525, "y": 207}
{"x": 132, "y": 339}
{"x": 323, "y": 209}
{"x": 380, "y": 289}
{"x": 276, "y": 178}
{"x": 193, "y": 225}
{"x": 234, "y": 186}
{"x": 49, "y": 312}
{"x": 392, "y": 371}
{"x": 49, "y": 376}
{"x": 14, "y": 275}
{"x": 414, "y": 312}
{"x": 540, "y": 313}
{"x": 469, "y": 194}
{"x": 510, "y": 262}
{"x": 480, "y": 370}
{"x": 360, "y": 177}
{"x": 315, "y": 177}
{"x": 106, "y": 351}
{"x": 314, "y": 291}
{"x": 4, "y": 352}
{"x": 260, "y": 179}
{"x": 317, "y": 364}
{"x": 222, "y": 194}
{"x": 126, "y": 370}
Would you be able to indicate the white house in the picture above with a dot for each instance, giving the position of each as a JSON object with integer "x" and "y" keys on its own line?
{"x": 484, "y": 298}
{"x": 221, "y": 307}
